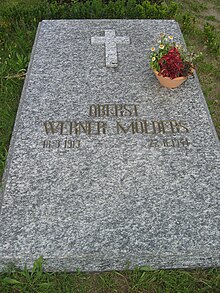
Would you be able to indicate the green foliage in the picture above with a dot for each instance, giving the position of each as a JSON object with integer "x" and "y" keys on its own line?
{"x": 33, "y": 13}
{"x": 27, "y": 281}
{"x": 210, "y": 35}
{"x": 142, "y": 279}
{"x": 159, "y": 2}
{"x": 188, "y": 22}
{"x": 197, "y": 6}
{"x": 23, "y": 13}
{"x": 116, "y": 9}
{"x": 211, "y": 18}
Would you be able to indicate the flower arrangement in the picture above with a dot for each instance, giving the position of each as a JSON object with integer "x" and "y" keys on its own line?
{"x": 171, "y": 59}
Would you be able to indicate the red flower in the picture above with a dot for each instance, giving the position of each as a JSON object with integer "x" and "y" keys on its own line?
{"x": 171, "y": 64}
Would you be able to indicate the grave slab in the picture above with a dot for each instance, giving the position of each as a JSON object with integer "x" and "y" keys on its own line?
{"x": 107, "y": 168}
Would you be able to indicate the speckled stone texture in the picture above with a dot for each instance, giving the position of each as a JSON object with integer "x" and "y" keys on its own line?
{"x": 106, "y": 167}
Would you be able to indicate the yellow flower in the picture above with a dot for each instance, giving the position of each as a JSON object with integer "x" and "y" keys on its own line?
{"x": 161, "y": 46}
{"x": 152, "y": 49}
{"x": 153, "y": 59}
{"x": 170, "y": 37}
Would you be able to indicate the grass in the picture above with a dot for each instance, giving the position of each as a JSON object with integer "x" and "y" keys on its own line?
{"x": 200, "y": 23}
{"x": 138, "y": 280}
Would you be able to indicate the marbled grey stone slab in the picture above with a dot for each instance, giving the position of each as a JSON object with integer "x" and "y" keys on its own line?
{"x": 106, "y": 167}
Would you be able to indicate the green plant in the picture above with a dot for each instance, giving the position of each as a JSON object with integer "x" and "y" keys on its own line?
{"x": 188, "y": 22}
{"x": 28, "y": 281}
{"x": 211, "y": 18}
{"x": 211, "y": 40}
{"x": 171, "y": 59}
{"x": 30, "y": 13}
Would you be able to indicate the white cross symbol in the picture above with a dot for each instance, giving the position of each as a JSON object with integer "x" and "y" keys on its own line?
{"x": 110, "y": 41}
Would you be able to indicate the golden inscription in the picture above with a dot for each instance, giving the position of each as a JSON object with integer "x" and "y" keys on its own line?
{"x": 151, "y": 127}
{"x": 75, "y": 128}
{"x": 169, "y": 143}
{"x": 70, "y": 144}
{"x": 133, "y": 126}
{"x": 113, "y": 110}
{"x": 46, "y": 144}
{"x": 61, "y": 144}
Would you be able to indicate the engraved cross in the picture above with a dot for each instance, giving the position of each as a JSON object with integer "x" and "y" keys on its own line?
{"x": 110, "y": 41}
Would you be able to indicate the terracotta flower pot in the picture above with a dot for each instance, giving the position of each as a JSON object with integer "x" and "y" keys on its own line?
{"x": 168, "y": 82}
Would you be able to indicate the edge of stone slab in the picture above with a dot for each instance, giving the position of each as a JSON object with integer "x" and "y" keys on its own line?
{"x": 120, "y": 262}
{"x": 15, "y": 128}
{"x": 108, "y": 20}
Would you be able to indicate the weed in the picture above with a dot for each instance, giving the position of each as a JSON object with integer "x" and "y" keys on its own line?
{"x": 27, "y": 281}
{"x": 139, "y": 280}
{"x": 211, "y": 18}
{"x": 188, "y": 22}
{"x": 211, "y": 40}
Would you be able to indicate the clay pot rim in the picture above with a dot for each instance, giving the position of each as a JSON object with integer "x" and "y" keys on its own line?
{"x": 176, "y": 78}
{"x": 166, "y": 77}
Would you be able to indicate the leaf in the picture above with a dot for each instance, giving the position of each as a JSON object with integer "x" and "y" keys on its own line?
{"x": 146, "y": 269}
{"x": 44, "y": 285}
{"x": 10, "y": 281}
{"x": 38, "y": 267}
